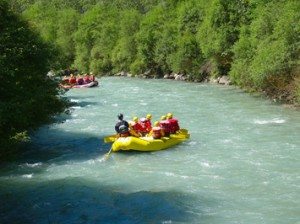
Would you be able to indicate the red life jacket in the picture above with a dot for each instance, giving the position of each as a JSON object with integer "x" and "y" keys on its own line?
{"x": 145, "y": 124}
{"x": 137, "y": 127}
{"x": 156, "y": 132}
{"x": 72, "y": 80}
{"x": 86, "y": 79}
{"x": 173, "y": 125}
{"x": 148, "y": 125}
{"x": 166, "y": 126}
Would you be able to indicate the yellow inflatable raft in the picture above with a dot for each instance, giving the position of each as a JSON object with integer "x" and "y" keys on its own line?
{"x": 147, "y": 143}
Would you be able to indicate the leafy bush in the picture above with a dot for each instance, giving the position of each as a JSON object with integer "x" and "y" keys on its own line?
{"x": 28, "y": 98}
{"x": 267, "y": 51}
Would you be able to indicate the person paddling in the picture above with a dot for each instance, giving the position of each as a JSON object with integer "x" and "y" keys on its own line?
{"x": 122, "y": 127}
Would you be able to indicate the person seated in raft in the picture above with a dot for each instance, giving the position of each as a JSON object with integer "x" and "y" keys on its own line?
{"x": 136, "y": 126}
{"x": 165, "y": 125}
{"x": 174, "y": 126}
{"x": 122, "y": 127}
{"x": 163, "y": 117}
{"x": 79, "y": 80}
{"x": 132, "y": 132}
{"x": 92, "y": 77}
{"x": 65, "y": 80}
{"x": 86, "y": 79}
{"x": 145, "y": 122}
{"x": 157, "y": 132}
{"x": 72, "y": 80}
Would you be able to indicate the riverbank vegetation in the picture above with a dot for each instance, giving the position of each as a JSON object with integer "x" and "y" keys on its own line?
{"x": 255, "y": 43}
{"x": 28, "y": 98}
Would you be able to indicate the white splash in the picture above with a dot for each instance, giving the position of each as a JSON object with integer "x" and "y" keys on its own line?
{"x": 90, "y": 128}
{"x": 272, "y": 121}
{"x": 28, "y": 176}
{"x": 32, "y": 165}
{"x": 192, "y": 143}
{"x": 205, "y": 164}
{"x": 115, "y": 105}
{"x": 77, "y": 121}
{"x": 227, "y": 141}
{"x": 170, "y": 174}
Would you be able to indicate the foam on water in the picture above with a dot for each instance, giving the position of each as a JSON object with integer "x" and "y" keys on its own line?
{"x": 272, "y": 121}
{"x": 32, "y": 165}
{"x": 27, "y": 176}
{"x": 76, "y": 107}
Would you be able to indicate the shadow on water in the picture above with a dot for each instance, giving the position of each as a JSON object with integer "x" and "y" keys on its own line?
{"x": 76, "y": 200}
{"x": 86, "y": 103}
{"x": 56, "y": 146}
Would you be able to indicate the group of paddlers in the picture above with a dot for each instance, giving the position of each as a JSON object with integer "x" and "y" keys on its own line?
{"x": 143, "y": 126}
{"x": 78, "y": 79}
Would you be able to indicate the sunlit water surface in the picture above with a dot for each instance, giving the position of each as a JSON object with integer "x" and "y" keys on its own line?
{"x": 241, "y": 164}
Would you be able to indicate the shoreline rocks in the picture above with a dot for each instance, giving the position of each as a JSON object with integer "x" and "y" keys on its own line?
{"x": 222, "y": 80}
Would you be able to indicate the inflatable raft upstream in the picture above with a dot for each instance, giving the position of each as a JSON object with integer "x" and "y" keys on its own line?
{"x": 146, "y": 143}
{"x": 88, "y": 85}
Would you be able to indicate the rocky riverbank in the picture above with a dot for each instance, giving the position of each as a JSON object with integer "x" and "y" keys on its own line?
{"x": 223, "y": 80}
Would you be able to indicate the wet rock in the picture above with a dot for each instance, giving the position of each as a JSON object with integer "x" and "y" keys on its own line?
{"x": 224, "y": 80}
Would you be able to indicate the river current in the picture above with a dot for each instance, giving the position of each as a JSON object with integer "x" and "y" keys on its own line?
{"x": 241, "y": 164}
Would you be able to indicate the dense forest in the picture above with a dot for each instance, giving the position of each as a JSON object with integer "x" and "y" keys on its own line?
{"x": 254, "y": 42}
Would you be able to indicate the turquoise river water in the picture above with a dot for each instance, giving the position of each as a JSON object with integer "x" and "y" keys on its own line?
{"x": 241, "y": 164}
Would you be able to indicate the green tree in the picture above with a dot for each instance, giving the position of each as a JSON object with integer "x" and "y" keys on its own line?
{"x": 167, "y": 44}
{"x": 124, "y": 52}
{"x": 95, "y": 39}
{"x": 267, "y": 53}
{"x": 28, "y": 98}
{"x": 220, "y": 30}
{"x": 67, "y": 22}
{"x": 188, "y": 56}
{"x": 146, "y": 38}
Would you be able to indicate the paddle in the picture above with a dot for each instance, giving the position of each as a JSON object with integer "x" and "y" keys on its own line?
{"x": 108, "y": 154}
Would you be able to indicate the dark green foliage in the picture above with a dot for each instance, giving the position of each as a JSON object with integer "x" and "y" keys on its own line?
{"x": 28, "y": 98}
